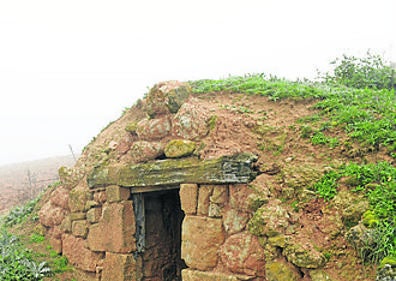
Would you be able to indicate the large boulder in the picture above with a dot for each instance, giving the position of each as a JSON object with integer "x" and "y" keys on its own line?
{"x": 166, "y": 97}
{"x": 280, "y": 270}
{"x": 191, "y": 122}
{"x": 143, "y": 151}
{"x": 201, "y": 240}
{"x": 115, "y": 231}
{"x": 60, "y": 197}
{"x": 179, "y": 148}
{"x": 119, "y": 267}
{"x": 241, "y": 253}
{"x": 269, "y": 220}
{"x": 51, "y": 215}
{"x": 78, "y": 255}
{"x": 305, "y": 256}
{"x": 153, "y": 129}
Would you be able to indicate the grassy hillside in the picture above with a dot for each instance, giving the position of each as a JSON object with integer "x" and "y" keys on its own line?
{"x": 327, "y": 153}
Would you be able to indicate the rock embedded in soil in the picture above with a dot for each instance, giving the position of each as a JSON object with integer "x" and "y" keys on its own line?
{"x": 179, "y": 148}
{"x": 280, "y": 270}
{"x": 166, "y": 97}
{"x": 304, "y": 256}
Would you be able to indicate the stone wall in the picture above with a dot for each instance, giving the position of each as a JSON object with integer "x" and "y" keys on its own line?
{"x": 215, "y": 242}
{"x": 96, "y": 232}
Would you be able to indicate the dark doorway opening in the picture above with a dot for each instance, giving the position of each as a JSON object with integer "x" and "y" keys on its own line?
{"x": 158, "y": 220}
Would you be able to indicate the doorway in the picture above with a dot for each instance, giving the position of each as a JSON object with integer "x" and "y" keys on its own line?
{"x": 158, "y": 223}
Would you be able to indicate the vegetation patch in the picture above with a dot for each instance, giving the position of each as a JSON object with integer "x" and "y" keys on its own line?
{"x": 356, "y": 97}
{"x": 377, "y": 182}
{"x": 17, "y": 263}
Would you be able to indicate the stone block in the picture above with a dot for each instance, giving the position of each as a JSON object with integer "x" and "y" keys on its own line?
{"x": 204, "y": 193}
{"x": 153, "y": 129}
{"x": 235, "y": 221}
{"x": 242, "y": 253}
{"x": 55, "y": 232}
{"x": 115, "y": 230}
{"x": 179, "y": 148}
{"x": 94, "y": 215}
{"x": 80, "y": 228}
{"x": 143, "y": 151}
{"x": 305, "y": 256}
{"x": 195, "y": 275}
{"x": 115, "y": 193}
{"x": 269, "y": 220}
{"x": 119, "y": 267}
{"x": 60, "y": 198}
{"x": 78, "y": 255}
{"x": 51, "y": 215}
{"x": 166, "y": 97}
{"x": 219, "y": 195}
{"x": 201, "y": 239}
{"x": 78, "y": 198}
{"x": 90, "y": 204}
{"x": 100, "y": 197}
{"x": 218, "y": 200}
{"x": 70, "y": 177}
{"x": 224, "y": 170}
{"x": 66, "y": 225}
{"x": 189, "y": 198}
{"x": 191, "y": 122}
{"x": 239, "y": 196}
{"x": 215, "y": 210}
{"x": 281, "y": 270}
{"x": 78, "y": 216}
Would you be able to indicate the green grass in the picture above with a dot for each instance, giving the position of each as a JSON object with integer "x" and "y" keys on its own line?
{"x": 20, "y": 213}
{"x": 377, "y": 181}
{"x": 366, "y": 115}
{"x": 17, "y": 263}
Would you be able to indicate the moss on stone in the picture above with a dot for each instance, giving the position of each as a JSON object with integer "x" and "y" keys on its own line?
{"x": 227, "y": 169}
{"x": 281, "y": 271}
{"x": 179, "y": 148}
{"x": 304, "y": 256}
{"x": 131, "y": 127}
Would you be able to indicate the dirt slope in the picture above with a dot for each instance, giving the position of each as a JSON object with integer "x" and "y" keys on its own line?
{"x": 288, "y": 162}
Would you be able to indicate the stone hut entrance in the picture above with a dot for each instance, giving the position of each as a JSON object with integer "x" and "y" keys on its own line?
{"x": 158, "y": 218}
{"x": 155, "y": 210}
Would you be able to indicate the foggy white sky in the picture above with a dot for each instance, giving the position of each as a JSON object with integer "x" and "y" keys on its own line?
{"x": 67, "y": 68}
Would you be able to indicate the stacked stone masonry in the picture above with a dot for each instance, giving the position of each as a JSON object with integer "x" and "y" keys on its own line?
{"x": 97, "y": 234}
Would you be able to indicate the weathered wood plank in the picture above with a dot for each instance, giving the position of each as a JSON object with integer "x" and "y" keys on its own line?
{"x": 223, "y": 170}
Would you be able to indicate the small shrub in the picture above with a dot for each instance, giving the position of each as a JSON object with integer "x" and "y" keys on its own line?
{"x": 19, "y": 214}
{"x": 16, "y": 263}
{"x": 36, "y": 238}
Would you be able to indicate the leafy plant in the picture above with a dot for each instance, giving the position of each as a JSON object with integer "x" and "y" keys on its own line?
{"x": 320, "y": 138}
{"x": 326, "y": 187}
{"x": 370, "y": 71}
{"x": 36, "y": 238}
{"x": 16, "y": 263}
{"x": 18, "y": 214}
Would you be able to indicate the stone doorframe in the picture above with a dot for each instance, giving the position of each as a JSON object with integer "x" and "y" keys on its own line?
{"x": 191, "y": 176}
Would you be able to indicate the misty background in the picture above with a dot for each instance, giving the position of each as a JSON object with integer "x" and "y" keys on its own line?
{"x": 68, "y": 68}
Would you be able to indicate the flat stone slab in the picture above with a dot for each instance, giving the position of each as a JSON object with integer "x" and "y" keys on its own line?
{"x": 224, "y": 170}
